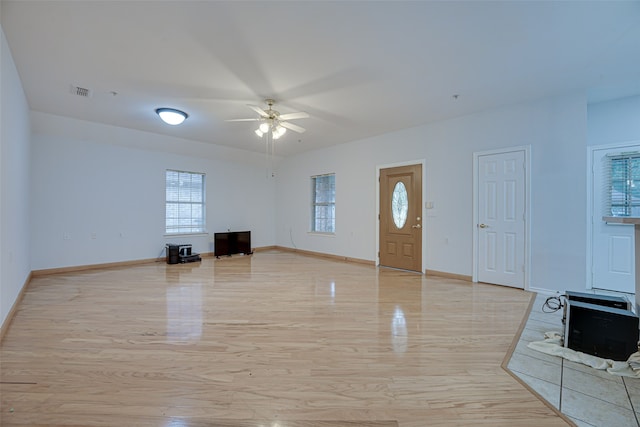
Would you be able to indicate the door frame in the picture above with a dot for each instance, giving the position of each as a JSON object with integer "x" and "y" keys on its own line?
{"x": 590, "y": 201}
{"x": 527, "y": 208}
{"x": 422, "y": 208}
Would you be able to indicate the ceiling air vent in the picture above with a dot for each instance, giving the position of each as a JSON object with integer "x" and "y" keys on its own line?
{"x": 81, "y": 91}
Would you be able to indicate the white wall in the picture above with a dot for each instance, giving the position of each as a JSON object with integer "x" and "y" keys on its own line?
{"x": 555, "y": 129}
{"x": 90, "y": 178}
{"x": 14, "y": 182}
{"x": 614, "y": 121}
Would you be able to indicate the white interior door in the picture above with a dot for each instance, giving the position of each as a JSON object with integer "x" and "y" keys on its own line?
{"x": 612, "y": 245}
{"x": 501, "y": 202}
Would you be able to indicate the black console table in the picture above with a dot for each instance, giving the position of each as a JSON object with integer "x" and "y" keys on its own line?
{"x": 232, "y": 242}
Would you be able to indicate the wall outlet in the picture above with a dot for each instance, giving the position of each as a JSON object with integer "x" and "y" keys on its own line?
{"x": 66, "y": 236}
{"x": 94, "y": 236}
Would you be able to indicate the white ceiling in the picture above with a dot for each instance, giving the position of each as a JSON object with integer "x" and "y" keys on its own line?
{"x": 358, "y": 68}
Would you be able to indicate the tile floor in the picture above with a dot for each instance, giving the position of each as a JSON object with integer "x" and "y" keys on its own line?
{"x": 589, "y": 397}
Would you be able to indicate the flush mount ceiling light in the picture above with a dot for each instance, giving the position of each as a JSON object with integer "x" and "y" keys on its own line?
{"x": 171, "y": 116}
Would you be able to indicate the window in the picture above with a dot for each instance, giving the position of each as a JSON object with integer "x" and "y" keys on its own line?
{"x": 323, "y": 209}
{"x": 623, "y": 186}
{"x": 184, "y": 202}
{"x": 399, "y": 205}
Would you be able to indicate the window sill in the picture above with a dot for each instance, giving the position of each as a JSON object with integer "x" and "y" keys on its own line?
{"x": 319, "y": 233}
{"x": 621, "y": 219}
{"x": 200, "y": 233}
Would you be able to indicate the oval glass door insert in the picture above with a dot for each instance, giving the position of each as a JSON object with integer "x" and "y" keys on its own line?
{"x": 399, "y": 205}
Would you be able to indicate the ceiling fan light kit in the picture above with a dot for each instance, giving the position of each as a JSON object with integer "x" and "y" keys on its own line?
{"x": 171, "y": 116}
{"x": 272, "y": 122}
{"x": 278, "y": 132}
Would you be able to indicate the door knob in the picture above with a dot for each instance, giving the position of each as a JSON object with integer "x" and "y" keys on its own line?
{"x": 483, "y": 225}
{"x": 416, "y": 226}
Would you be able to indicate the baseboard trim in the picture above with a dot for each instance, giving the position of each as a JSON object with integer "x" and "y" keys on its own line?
{"x": 71, "y": 269}
{"x": 265, "y": 248}
{"x": 448, "y": 275}
{"x": 59, "y": 270}
{"x": 14, "y": 308}
{"x": 325, "y": 255}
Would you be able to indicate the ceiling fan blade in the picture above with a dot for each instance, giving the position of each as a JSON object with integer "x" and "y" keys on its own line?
{"x": 258, "y": 110}
{"x": 243, "y": 120}
{"x": 293, "y": 127}
{"x": 293, "y": 116}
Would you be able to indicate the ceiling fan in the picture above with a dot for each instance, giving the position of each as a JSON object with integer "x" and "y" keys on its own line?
{"x": 273, "y": 121}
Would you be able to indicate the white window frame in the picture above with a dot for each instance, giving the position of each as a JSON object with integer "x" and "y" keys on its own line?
{"x": 192, "y": 227}
{"x": 315, "y": 203}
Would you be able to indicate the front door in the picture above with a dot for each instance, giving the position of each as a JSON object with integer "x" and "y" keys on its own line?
{"x": 401, "y": 217}
{"x": 501, "y": 218}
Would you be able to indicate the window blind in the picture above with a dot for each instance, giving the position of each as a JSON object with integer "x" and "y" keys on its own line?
{"x": 185, "y": 202}
{"x": 323, "y": 210}
{"x": 622, "y": 184}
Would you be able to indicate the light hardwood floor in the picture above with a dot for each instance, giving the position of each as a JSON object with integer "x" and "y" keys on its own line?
{"x": 276, "y": 339}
